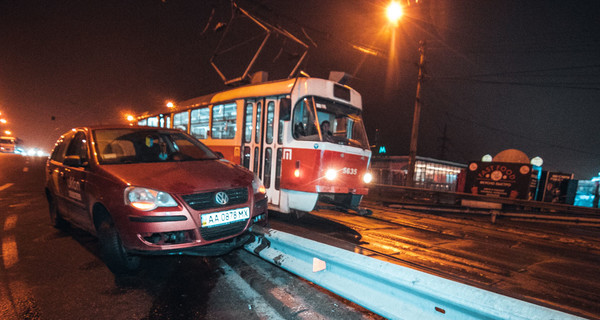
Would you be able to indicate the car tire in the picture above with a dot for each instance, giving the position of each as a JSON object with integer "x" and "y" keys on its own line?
{"x": 56, "y": 219}
{"x": 117, "y": 259}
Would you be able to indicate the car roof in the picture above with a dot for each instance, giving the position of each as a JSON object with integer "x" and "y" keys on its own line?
{"x": 122, "y": 126}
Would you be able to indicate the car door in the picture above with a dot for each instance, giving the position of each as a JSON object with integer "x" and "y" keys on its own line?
{"x": 55, "y": 173}
{"x": 75, "y": 165}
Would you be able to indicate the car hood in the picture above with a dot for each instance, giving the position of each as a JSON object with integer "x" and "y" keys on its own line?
{"x": 182, "y": 177}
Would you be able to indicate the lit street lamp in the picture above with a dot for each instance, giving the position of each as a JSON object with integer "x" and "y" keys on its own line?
{"x": 394, "y": 12}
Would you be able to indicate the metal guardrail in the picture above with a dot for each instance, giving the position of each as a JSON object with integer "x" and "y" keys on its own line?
{"x": 390, "y": 290}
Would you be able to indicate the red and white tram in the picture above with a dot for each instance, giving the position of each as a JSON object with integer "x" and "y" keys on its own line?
{"x": 278, "y": 130}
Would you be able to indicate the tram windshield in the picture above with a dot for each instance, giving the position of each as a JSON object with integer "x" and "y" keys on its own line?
{"x": 318, "y": 119}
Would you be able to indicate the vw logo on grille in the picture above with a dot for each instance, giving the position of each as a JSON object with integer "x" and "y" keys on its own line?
{"x": 221, "y": 198}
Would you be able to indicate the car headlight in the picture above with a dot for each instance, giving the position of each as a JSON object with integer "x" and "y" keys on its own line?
{"x": 368, "y": 177}
{"x": 148, "y": 199}
{"x": 258, "y": 186}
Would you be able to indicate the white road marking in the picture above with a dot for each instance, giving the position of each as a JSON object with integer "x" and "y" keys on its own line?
{"x": 6, "y": 186}
{"x": 258, "y": 304}
{"x": 11, "y": 222}
{"x": 10, "y": 253}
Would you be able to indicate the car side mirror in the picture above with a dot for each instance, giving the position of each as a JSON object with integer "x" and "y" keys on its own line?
{"x": 73, "y": 161}
{"x": 219, "y": 154}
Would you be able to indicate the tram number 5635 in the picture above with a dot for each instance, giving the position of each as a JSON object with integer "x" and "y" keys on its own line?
{"x": 350, "y": 171}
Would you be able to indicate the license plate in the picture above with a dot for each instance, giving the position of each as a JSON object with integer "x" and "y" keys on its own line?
{"x": 224, "y": 217}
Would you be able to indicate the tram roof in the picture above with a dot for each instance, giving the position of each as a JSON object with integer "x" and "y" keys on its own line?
{"x": 270, "y": 88}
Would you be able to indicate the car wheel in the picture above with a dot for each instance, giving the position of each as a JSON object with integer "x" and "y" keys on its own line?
{"x": 55, "y": 218}
{"x": 118, "y": 260}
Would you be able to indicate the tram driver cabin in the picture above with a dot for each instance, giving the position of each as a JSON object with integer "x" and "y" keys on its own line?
{"x": 304, "y": 137}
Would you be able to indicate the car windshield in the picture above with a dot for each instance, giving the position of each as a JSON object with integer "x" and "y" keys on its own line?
{"x": 153, "y": 145}
{"x": 318, "y": 119}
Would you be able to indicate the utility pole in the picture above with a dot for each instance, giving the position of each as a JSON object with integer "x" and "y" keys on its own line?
{"x": 412, "y": 154}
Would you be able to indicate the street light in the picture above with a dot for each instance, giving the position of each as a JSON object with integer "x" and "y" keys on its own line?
{"x": 394, "y": 12}
{"x": 3, "y": 121}
{"x": 170, "y": 105}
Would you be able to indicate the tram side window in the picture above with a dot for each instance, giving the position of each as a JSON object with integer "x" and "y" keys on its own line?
{"x": 248, "y": 123}
{"x": 199, "y": 123}
{"x": 267, "y": 176}
{"x": 258, "y": 122}
{"x": 153, "y": 122}
{"x": 256, "y": 157}
{"x": 143, "y": 122}
{"x": 223, "y": 124}
{"x": 180, "y": 121}
{"x": 304, "y": 122}
{"x": 278, "y": 168}
{"x": 270, "y": 121}
{"x": 246, "y": 161}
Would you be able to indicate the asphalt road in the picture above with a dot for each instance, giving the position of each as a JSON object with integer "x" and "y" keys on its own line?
{"x": 46, "y": 273}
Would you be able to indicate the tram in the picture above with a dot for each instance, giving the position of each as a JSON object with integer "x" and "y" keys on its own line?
{"x": 304, "y": 137}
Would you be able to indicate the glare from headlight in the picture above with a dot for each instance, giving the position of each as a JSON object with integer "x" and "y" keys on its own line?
{"x": 368, "y": 177}
{"x": 257, "y": 185}
{"x": 331, "y": 174}
{"x": 147, "y": 199}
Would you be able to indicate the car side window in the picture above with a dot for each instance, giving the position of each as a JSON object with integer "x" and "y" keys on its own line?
{"x": 78, "y": 147}
{"x": 58, "y": 153}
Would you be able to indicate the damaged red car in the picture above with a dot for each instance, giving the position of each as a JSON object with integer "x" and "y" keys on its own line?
{"x": 144, "y": 190}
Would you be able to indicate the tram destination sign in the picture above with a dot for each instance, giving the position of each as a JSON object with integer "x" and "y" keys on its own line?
{"x": 499, "y": 179}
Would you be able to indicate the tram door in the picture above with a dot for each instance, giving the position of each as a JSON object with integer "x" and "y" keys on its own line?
{"x": 270, "y": 146}
{"x": 260, "y": 143}
{"x": 252, "y": 135}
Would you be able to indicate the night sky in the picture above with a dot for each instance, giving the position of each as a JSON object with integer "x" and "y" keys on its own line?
{"x": 499, "y": 74}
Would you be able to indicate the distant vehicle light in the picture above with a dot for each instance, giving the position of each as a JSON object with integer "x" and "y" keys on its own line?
{"x": 297, "y": 173}
{"x": 331, "y": 174}
{"x": 368, "y": 177}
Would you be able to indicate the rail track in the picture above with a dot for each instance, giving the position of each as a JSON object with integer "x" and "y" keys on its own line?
{"x": 551, "y": 265}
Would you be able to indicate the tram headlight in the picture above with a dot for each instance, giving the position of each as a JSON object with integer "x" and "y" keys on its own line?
{"x": 331, "y": 174}
{"x": 368, "y": 177}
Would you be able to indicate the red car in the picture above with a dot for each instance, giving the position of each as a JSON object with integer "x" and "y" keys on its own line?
{"x": 144, "y": 190}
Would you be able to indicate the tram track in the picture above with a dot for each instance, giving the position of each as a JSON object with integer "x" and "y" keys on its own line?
{"x": 509, "y": 258}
